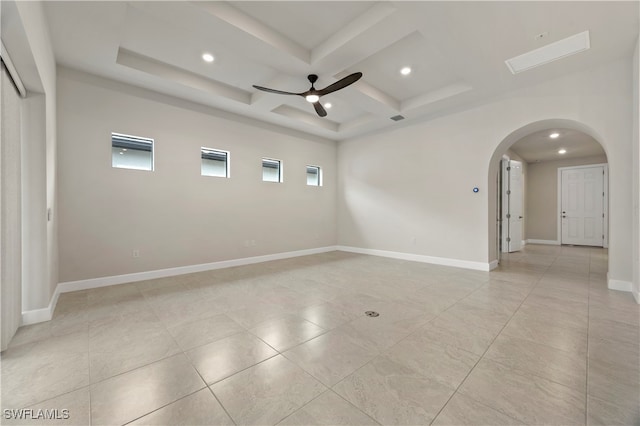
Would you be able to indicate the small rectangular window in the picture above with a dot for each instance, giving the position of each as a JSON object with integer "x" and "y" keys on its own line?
{"x": 214, "y": 162}
{"x": 314, "y": 176}
{"x": 131, "y": 152}
{"x": 271, "y": 170}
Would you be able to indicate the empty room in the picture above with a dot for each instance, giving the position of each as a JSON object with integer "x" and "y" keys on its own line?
{"x": 320, "y": 213}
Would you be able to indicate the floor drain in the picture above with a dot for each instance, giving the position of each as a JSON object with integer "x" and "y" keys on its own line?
{"x": 372, "y": 314}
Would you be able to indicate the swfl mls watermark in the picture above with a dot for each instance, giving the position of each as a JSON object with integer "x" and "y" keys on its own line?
{"x": 36, "y": 414}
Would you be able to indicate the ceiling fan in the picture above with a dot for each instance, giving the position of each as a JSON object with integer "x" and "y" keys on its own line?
{"x": 313, "y": 95}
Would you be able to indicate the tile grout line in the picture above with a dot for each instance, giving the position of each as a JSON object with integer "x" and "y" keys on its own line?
{"x": 222, "y": 405}
{"x": 586, "y": 384}
{"x": 487, "y": 349}
{"x": 206, "y": 385}
{"x": 382, "y": 353}
{"x": 164, "y": 326}
{"x": 323, "y": 393}
{"x": 163, "y": 406}
{"x": 181, "y": 351}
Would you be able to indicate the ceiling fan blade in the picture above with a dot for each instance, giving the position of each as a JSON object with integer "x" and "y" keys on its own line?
{"x": 340, "y": 84}
{"x": 320, "y": 109}
{"x": 279, "y": 92}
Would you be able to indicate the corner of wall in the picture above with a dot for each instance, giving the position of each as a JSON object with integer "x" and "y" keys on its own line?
{"x": 36, "y": 29}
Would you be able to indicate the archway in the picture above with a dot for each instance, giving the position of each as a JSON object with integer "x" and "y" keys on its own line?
{"x": 494, "y": 168}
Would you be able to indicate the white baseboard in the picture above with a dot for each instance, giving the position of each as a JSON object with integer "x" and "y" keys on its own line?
{"x": 45, "y": 314}
{"x": 493, "y": 264}
{"x": 636, "y": 295}
{"x": 180, "y": 270}
{"x": 547, "y": 242}
{"x": 41, "y": 315}
{"x": 524, "y": 243}
{"x": 466, "y": 264}
{"x": 619, "y": 284}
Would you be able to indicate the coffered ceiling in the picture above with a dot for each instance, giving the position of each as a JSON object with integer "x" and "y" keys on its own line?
{"x": 456, "y": 51}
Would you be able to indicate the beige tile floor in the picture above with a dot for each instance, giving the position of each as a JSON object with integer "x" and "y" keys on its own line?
{"x": 540, "y": 340}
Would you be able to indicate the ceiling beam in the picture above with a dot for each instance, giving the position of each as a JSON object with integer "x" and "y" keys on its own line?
{"x": 257, "y": 29}
{"x": 174, "y": 74}
{"x": 362, "y": 23}
{"x": 305, "y": 117}
{"x": 435, "y": 96}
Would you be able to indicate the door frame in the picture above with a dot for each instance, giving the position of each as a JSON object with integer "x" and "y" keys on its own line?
{"x": 605, "y": 206}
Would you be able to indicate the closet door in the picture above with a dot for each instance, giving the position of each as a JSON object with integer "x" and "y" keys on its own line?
{"x": 10, "y": 214}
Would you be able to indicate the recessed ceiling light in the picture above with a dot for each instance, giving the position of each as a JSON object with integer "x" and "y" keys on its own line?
{"x": 207, "y": 57}
{"x": 554, "y": 135}
{"x": 560, "y": 49}
{"x": 562, "y": 151}
{"x": 328, "y": 105}
{"x": 405, "y": 71}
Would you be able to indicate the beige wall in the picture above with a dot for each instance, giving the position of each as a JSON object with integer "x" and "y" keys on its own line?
{"x": 542, "y": 196}
{"x": 424, "y": 205}
{"x": 174, "y": 216}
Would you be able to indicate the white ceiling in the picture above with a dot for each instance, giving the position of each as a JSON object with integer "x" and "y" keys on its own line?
{"x": 538, "y": 146}
{"x": 456, "y": 50}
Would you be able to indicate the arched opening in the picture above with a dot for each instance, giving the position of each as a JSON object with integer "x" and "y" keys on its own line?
{"x": 542, "y": 206}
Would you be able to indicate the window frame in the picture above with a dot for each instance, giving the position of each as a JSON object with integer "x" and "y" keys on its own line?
{"x": 319, "y": 174}
{"x": 133, "y": 138}
{"x": 280, "y": 169}
{"x": 227, "y": 161}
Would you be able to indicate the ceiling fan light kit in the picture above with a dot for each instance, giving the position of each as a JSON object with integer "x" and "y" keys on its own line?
{"x": 313, "y": 95}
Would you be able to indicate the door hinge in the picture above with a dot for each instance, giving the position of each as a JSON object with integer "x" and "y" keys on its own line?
{"x": 508, "y": 239}
{"x": 508, "y": 192}
{"x": 603, "y": 194}
{"x": 602, "y": 214}
{"x": 508, "y": 168}
{"x": 508, "y": 216}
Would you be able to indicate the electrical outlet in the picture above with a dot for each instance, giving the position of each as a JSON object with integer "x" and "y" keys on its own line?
{"x": 136, "y": 253}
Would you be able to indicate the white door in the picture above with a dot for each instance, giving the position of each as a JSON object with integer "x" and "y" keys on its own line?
{"x": 582, "y": 218}
{"x": 512, "y": 205}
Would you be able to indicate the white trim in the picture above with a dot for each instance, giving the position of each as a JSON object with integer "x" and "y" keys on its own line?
{"x": 40, "y": 315}
{"x": 636, "y": 295}
{"x": 45, "y": 314}
{"x": 547, "y": 242}
{"x": 619, "y": 285}
{"x": 605, "y": 201}
{"x": 493, "y": 264}
{"x": 466, "y": 264}
{"x": 12, "y": 71}
{"x": 523, "y": 243}
{"x": 68, "y": 286}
